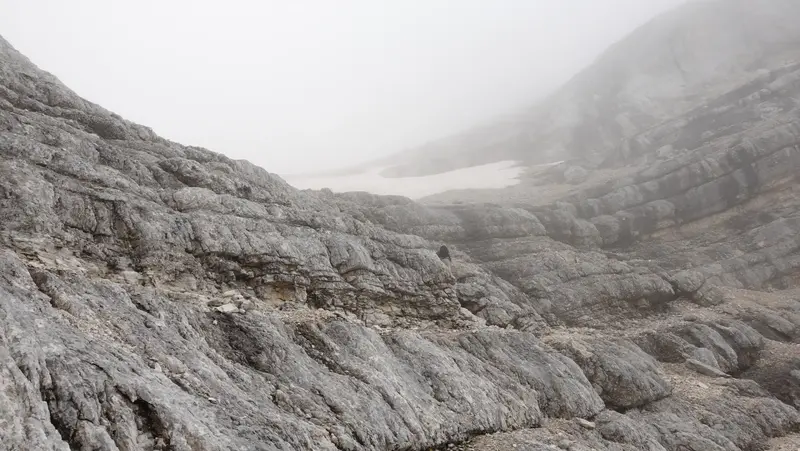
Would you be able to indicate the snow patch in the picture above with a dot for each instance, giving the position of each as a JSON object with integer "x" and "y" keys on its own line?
{"x": 488, "y": 176}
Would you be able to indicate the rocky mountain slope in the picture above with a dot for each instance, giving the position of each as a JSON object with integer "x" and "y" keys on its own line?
{"x": 678, "y": 61}
{"x": 157, "y": 296}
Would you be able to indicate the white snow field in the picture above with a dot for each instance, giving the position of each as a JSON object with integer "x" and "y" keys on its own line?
{"x": 495, "y": 175}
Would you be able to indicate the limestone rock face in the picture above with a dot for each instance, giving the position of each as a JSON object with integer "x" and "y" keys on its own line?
{"x": 157, "y": 296}
{"x": 173, "y": 374}
{"x": 623, "y": 375}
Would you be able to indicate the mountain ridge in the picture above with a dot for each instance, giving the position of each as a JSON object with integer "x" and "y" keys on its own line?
{"x": 566, "y": 125}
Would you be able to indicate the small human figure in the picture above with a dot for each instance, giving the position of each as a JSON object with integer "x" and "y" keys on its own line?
{"x": 444, "y": 253}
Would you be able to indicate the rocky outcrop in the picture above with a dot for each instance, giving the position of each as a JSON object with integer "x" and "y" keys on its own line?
{"x": 172, "y": 374}
{"x": 188, "y": 216}
{"x": 673, "y": 218}
{"x": 659, "y": 256}
{"x": 725, "y": 346}
{"x": 620, "y": 371}
{"x": 156, "y": 296}
{"x": 781, "y": 376}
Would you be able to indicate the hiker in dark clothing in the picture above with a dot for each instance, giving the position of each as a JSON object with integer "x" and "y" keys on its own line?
{"x": 444, "y": 253}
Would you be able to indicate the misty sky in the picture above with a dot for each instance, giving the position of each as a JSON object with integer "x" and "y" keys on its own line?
{"x": 307, "y": 86}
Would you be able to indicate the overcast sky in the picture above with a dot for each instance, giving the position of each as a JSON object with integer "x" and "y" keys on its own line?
{"x": 306, "y": 86}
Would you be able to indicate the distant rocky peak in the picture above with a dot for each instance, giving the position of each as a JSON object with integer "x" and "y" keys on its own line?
{"x": 673, "y": 63}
